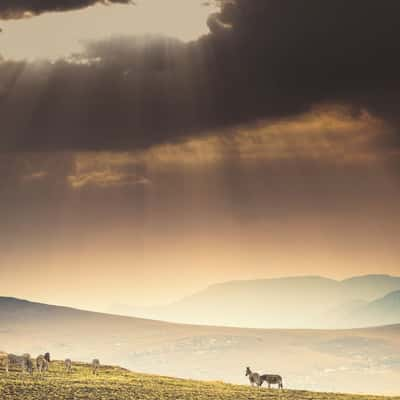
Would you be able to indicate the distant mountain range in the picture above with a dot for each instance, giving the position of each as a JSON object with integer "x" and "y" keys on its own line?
{"x": 294, "y": 302}
{"x": 328, "y": 360}
{"x": 385, "y": 310}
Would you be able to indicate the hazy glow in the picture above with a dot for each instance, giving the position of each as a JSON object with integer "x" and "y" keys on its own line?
{"x": 308, "y": 195}
{"x": 58, "y": 35}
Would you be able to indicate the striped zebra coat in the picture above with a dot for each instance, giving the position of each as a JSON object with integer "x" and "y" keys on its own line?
{"x": 68, "y": 365}
{"x": 95, "y": 366}
{"x": 42, "y": 364}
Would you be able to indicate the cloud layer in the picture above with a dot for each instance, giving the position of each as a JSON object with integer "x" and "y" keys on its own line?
{"x": 278, "y": 59}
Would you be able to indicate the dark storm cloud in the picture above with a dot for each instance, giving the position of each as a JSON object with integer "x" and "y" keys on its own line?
{"x": 13, "y": 9}
{"x": 264, "y": 59}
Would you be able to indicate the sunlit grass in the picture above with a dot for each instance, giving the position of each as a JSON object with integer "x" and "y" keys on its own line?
{"x": 119, "y": 384}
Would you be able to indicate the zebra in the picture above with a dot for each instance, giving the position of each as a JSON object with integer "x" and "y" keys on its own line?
{"x": 68, "y": 365}
{"x": 4, "y": 361}
{"x": 27, "y": 364}
{"x": 95, "y": 366}
{"x": 42, "y": 364}
{"x": 254, "y": 377}
{"x": 272, "y": 380}
{"x": 24, "y": 361}
{"x": 47, "y": 357}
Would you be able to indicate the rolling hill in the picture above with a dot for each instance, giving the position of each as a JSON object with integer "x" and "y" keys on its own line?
{"x": 327, "y": 360}
{"x": 116, "y": 383}
{"x": 294, "y": 302}
{"x": 385, "y": 310}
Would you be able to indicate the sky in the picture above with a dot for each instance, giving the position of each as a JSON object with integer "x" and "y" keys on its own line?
{"x": 151, "y": 148}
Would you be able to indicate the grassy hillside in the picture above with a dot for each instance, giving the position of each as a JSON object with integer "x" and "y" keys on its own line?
{"x": 116, "y": 383}
{"x": 320, "y": 360}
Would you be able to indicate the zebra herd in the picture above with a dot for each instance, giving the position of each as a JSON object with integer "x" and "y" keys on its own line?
{"x": 41, "y": 363}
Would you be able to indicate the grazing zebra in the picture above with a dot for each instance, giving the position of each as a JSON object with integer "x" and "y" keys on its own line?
{"x": 68, "y": 365}
{"x": 95, "y": 366}
{"x": 42, "y": 364}
{"x": 272, "y": 380}
{"x": 254, "y": 377}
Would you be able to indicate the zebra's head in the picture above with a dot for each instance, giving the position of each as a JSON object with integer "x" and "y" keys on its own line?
{"x": 248, "y": 371}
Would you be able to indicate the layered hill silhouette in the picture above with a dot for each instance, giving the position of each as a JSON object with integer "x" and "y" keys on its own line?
{"x": 296, "y": 302}
{"x": 385, "y": 310}
{"x": 326, "y": 360}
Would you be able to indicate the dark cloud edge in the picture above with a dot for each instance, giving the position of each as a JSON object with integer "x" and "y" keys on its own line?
{"x": 17, "y": 9}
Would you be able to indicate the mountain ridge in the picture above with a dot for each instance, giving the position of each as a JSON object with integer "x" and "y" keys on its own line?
{"x": 291, "y": 302}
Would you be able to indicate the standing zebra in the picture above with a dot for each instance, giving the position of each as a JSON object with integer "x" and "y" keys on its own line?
{"x": 27, "y": 364}
{"x": 272, "y": 380}
{"x": 254, "y": 377}
{"x": 42, "y": 364}
{"x": 68, "y": 365}
{"x": 95, "y": 366}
